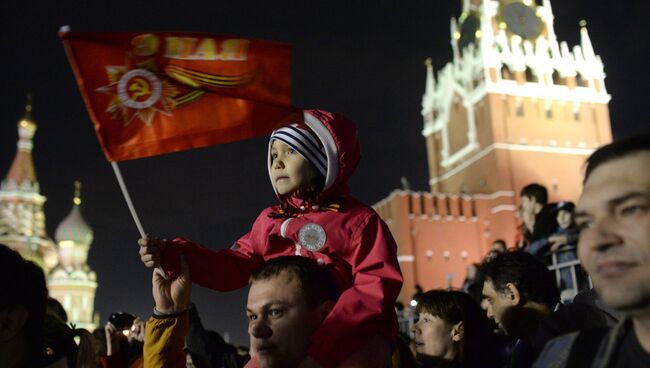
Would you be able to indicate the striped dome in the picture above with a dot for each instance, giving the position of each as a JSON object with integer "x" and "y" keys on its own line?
{"x": 74, "y": 228}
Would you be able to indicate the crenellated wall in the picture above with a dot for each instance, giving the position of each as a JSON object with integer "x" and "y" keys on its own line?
{"x": 438, "y": 234}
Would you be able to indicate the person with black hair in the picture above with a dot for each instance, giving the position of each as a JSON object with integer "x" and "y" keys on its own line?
{"x": 519, "y": 291}
{"x": 613, "y": 216}
{"x": 22, "y": 310}
{"x": 536, "y": 212}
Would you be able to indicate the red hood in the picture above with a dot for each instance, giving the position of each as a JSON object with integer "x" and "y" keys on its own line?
{"x": 338, "y": 135}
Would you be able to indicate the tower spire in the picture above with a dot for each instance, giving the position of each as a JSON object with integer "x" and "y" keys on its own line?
{"x": 26, "y": 127}
{"x": 585, "y": 42}
{"x": 22, "y": 168}
{"x": 430, "y": 88}
{"x": 431, "y": 79}
{"x": 77, "y": 193}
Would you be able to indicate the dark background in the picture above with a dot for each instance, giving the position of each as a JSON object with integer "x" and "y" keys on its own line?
{"x": 360, "y": 58}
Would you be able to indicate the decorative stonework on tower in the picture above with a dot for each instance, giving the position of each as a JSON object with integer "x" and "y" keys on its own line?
{"x": 514, "y": 106}
{"x": 22, "y": 220}
{"x": 72, "y": 282}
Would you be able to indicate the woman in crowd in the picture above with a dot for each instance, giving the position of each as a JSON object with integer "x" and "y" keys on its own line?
{"x": 452, "y": 331}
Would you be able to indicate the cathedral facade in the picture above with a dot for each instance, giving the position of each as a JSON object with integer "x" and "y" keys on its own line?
{"x": 513, "y": 107}
{"x": 22, "y": 227}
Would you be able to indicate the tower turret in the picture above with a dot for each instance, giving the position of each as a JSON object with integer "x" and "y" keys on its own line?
{"x": 515, "y": 95}
{"x": 514, "y": 106}
{"x": 22, "y": 220}
{"x": 73, "y": 235}
{"x": 72, "y": 281}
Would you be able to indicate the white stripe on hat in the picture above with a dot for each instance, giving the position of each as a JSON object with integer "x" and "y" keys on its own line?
{"x": 305, "y": 144}
{"x": 303, "y": 138}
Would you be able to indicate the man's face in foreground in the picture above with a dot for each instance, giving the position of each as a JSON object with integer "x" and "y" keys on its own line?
{"x": 613, "y": 214}
{"x": 280, "y": 323}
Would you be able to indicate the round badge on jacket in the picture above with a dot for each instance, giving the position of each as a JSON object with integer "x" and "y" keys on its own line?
{"x": 312, "y": 237}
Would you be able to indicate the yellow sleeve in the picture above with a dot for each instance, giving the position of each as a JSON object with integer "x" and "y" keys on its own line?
{"x": 164, "y": 341}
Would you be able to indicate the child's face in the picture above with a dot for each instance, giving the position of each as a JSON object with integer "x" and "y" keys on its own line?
{"x": 289, "y": 170}
{"x": 564, "y": 218}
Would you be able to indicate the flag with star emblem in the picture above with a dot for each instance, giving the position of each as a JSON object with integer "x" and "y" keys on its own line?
{"x": 152, "y": 93}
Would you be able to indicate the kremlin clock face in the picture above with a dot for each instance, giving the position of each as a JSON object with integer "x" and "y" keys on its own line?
{"x": 521, "y": 20}
{"x": 471, "y": 24}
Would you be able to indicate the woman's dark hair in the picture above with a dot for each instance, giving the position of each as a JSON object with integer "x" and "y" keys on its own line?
{"x": 453, "y": 306}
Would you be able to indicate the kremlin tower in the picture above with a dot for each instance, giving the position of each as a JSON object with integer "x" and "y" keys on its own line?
{"x": 513, "y": 107}
{"x": 22, "y": 227}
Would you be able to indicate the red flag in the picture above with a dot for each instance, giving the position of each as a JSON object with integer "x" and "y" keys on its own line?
{"x": 158, "y": 92}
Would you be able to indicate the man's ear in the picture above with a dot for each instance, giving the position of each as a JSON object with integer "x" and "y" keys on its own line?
{"x": 458, "y": 332}
{"x": 513, "y": 294}
{"x": 12, "y": 320}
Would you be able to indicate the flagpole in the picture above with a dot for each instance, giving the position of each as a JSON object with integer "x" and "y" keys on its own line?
{"x": 127, "y": 197}
{"x": 129, "y": 203}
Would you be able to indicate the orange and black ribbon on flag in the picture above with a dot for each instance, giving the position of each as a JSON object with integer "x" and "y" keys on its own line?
{"x": 158, "y": 92}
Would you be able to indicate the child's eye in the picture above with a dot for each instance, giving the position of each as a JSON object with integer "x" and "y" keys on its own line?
{"x": 274, "y": 156}
{"x": 291, "y": 150}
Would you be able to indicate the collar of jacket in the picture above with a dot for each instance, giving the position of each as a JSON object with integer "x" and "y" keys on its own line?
{"x": 610, "y": 344}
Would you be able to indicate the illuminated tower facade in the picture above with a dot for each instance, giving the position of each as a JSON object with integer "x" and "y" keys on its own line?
{"x": 22, "y": 220}
{"x": 22, "y": 227}
{"x": 514, "y": 106}
{"x": 72, "y": 281}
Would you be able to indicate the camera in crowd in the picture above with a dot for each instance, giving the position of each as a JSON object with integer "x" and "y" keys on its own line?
{"x": 122, "y": 321}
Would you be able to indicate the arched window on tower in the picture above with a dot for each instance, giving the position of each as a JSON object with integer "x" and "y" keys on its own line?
{"x": 505, "y": 73}
{"x": 580, "y": 81}
{"x": 557, "y": 80}
{"x": 530, "y": 76}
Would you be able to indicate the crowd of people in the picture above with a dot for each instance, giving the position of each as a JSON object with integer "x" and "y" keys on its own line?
{"x": 323, "y": 279}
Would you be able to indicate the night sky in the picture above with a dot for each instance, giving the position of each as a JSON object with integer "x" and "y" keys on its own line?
{"x": 361, "y": 58}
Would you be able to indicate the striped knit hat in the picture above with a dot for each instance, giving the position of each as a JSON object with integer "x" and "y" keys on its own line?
{"x": 303, "y": 141}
